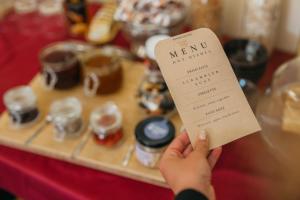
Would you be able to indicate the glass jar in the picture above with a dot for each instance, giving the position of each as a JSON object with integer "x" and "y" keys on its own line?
{"x": 260, "y": 21}
{"x": 248, "y": 58}
{"x": 60, "y": 66}
{"x": 103, "y": 73}
{"x": 206, "y": 14}
{"x": 21, "y": 104}
{"x": 106, "y": 124}
{"x": 279, "y": 111}
{"x": 152, "y": 136}
{"x": 142, "y": 19}
{"x": 66, "y": 118}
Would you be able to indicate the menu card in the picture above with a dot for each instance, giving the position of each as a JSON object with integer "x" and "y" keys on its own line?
{"x": 204, "y": 87}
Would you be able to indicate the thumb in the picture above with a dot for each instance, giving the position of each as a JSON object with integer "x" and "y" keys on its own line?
{"x": 201, "y": 146}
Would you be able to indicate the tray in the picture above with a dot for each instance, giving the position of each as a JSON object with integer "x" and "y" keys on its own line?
{"x": 84, "y": 150}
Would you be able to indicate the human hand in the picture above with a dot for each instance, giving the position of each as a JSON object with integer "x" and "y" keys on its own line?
{"x": 185, "y": 168}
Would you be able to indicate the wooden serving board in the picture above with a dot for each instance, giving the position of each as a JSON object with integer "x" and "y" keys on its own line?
{"x": 83, "y": 150}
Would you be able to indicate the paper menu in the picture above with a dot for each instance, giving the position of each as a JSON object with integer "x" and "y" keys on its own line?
{"x": 204, "y": 87}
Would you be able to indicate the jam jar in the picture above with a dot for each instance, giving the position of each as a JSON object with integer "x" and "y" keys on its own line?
{"x": 61, "y": 67}
{"x": 152, "y": 136}
{"x": 103, "y": 73}
{"x": 66, "y": 118}
{"x": 21, "y": 103}
{"x": 106, "y": 124}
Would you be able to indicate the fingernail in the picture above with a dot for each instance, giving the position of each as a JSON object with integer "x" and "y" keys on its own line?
{"x": 202, "y": 135}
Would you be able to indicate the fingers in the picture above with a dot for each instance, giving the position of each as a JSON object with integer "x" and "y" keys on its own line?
{"x": 214, "y": 156}
{"x": 201, "y": 146}
{"x": 188, "y": 150}
{"x": 179, "y": 144}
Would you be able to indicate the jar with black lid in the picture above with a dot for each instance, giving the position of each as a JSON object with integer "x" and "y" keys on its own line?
{"x": 152, "y": 136}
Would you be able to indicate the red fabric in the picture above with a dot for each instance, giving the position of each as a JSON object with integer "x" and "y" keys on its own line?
{"x": 238, "y": 175}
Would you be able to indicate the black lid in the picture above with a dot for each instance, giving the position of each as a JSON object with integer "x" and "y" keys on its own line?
{"x": 155, "y": 132}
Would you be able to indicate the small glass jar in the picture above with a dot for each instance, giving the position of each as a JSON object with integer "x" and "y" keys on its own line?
{"x": 206, "y": 14}
{"x": 103, "y": 73}
{"x": 152, "y": 136}
{"x": 260, "y": 21}
{"x": 248, "y": 58}
{"x": 60, "y": 66}
{"x": 21, "y": 104}
{"x": 106, "y": 124}
{"x": 66, "y": 118}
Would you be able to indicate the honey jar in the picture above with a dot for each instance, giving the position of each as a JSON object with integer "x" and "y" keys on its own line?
{"x": 106, "y": 124}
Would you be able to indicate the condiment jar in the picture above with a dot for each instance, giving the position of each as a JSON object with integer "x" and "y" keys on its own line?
{"x": 21, "y": 103}
{"x": 106, "y": 124}
{"x": 103, "y": 73}
{"x": 60, "y": 66}
{"x": 152, "y": 136}
{"x": 66, "y": 118}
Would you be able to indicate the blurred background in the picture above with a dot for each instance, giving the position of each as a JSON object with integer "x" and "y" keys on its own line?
{"x": 85, "y": 111}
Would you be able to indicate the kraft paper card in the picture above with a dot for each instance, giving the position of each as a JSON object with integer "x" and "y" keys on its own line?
{"x": 204, "y": 87}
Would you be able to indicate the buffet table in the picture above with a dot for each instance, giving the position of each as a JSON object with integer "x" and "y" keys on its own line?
{"x": 241, "y": 173}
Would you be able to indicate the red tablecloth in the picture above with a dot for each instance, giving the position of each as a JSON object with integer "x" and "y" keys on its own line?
{"x": 243, "y": 171}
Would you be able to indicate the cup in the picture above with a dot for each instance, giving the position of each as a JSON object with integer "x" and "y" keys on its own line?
{"x": 66, "y": 118}
{"x": 103, "y": 73}
{"x": 61, "y": 67}
{"x": 21, "y": 104}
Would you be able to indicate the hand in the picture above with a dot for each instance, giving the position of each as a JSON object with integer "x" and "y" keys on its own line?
{"x": 185, "y": 168}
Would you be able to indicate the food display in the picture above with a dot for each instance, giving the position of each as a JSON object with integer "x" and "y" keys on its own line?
{"x": 106, "y": 124}
{"x": 152, "y": 136}
{"x": 103, "y": 73}
{"x": 21, "y": 104}
{"x": 153, "y": 93}
{"x": 146, "y": 18}
{"x": 61, "y": 67}
{"x": 66, "y": 118}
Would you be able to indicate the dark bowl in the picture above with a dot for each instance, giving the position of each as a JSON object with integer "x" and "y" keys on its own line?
{"x": 248, "y": 58}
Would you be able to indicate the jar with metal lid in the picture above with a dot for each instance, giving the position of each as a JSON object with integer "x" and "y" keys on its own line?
{"x": 106, "y": 124}
{"x": 61, "y": 67}
{"x": 66, "y": 118}
{"x": 152, "y": 136}
{"x": 261, "y": 20}
{"x": 21, "y": 104}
